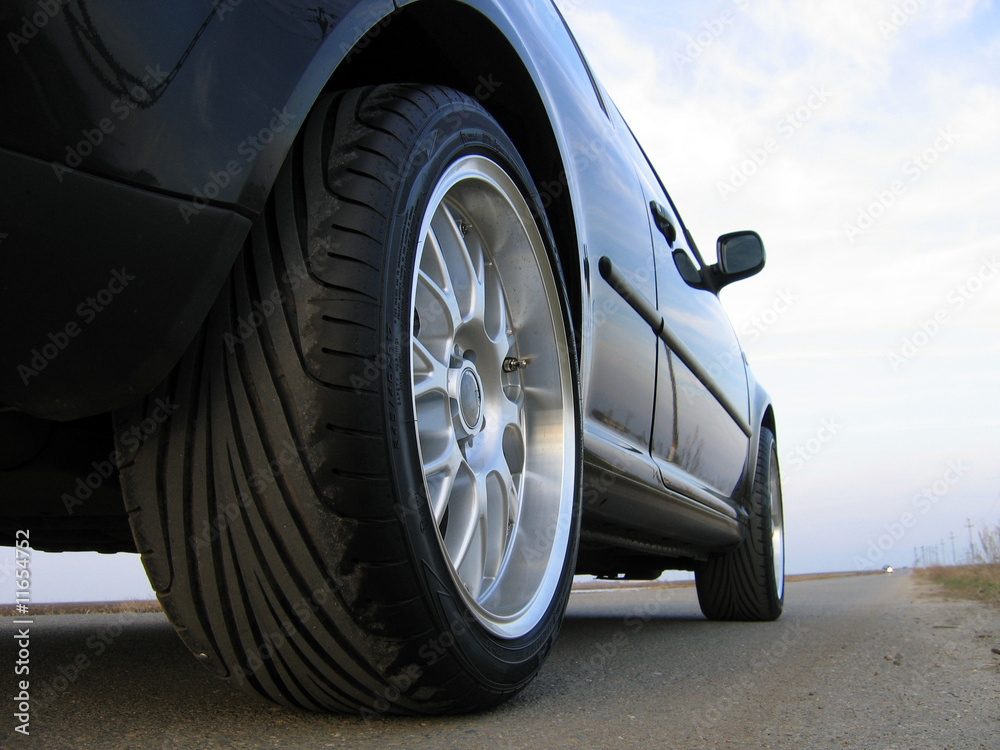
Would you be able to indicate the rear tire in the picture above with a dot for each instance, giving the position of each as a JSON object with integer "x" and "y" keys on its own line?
{"x": 285, "y": 484}
{"x": 748, "y": 583}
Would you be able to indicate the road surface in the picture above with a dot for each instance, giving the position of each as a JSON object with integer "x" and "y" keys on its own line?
{"x": 858, "y": 662}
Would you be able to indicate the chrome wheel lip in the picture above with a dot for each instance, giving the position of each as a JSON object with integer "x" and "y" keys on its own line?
{"x": 777, "y": 528}
{"x": 525, "y": 418}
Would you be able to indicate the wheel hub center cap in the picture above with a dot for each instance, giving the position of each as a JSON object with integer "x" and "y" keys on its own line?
{"x": 470, "y": 398}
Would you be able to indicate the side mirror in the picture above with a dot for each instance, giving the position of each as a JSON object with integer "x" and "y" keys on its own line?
{"x": 741, "y": 255}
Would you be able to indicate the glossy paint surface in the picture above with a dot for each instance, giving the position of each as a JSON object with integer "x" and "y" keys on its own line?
{"x": 194, "y": 98}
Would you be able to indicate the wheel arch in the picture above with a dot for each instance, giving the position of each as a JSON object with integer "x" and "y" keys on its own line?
{"x": 761, "y": 416}
{"x": 768, "y": 420}
{"x": 417, "y": 44}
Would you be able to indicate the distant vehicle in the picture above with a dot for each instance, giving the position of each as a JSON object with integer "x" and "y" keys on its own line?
{"x": 887, "y": 569}
{"x": 384, "y": 325}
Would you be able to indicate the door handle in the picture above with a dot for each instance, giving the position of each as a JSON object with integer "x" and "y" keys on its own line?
{"x": 663, "y": 223}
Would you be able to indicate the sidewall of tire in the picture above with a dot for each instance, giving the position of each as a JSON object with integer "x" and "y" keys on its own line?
{"x": 771, "y": 446}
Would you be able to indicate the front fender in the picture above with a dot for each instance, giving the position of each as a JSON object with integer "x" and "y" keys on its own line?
{"x": 200, "y": 98}
{"x": 140, "y": 140}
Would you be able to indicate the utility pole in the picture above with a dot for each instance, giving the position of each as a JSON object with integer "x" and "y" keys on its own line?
{"x": 954, "y": 554}
{"x": 972, "y": 543}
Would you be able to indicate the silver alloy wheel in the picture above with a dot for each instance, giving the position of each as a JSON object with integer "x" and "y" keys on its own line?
{"x": 493, "y": 396}
{"x": 777, "y": 528}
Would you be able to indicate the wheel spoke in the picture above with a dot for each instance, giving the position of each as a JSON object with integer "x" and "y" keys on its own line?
{"x": 450, "y": 245}
{"x": 495, "y": 317}
{"x": 442, "y": 474}
{"x": 434, "y": 264}
{"x": 510, "y": 412}
{"x": 504, "y": 479}
{"x": 470, "y": 256}
{"x": 439, "y": 310}
{"x": 504, "y": 504}
{"x": 429, "y": 375}
{"x": 469, "y": 537}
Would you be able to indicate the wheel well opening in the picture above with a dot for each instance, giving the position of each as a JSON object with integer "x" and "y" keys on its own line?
{"x": 449, "y": 44}
{"x": 768, "y": 421}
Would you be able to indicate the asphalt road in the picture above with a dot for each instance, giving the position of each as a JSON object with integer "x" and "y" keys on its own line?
{"x": 860, "y": 662}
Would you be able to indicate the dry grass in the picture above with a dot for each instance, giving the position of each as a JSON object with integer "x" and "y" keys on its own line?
{"x": 978, "y": 582}
{"x": 86, "y": 608}
{"x": 989, "y": 541}
{"x": 825, "y": 576}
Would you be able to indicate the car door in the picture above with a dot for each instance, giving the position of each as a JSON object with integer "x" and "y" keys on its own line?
{"x": 618, "y": 354}
{"x": 700, "y": 431}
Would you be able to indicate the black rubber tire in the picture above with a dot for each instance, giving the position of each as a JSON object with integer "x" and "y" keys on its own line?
{"x": 741, "y": 584}
{"x": 273, "y": 485}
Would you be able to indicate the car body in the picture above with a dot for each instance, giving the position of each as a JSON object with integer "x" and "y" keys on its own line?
{"x": 139, "y": 147}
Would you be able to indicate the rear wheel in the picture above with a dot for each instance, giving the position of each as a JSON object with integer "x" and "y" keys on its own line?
{"x": 363, "y": 492}
{"x": 748, "y": 583}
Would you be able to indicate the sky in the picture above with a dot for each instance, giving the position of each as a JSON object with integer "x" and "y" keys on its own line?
{"x": 861, "y": 139}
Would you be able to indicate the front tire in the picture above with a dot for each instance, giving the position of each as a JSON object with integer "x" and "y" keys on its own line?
{"x": 748, "y": 582}
{"x": 365, "y": 496}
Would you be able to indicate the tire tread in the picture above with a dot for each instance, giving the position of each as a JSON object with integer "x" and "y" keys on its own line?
{"x": 234, "y": 555}
{"x": 736, "y": 585}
